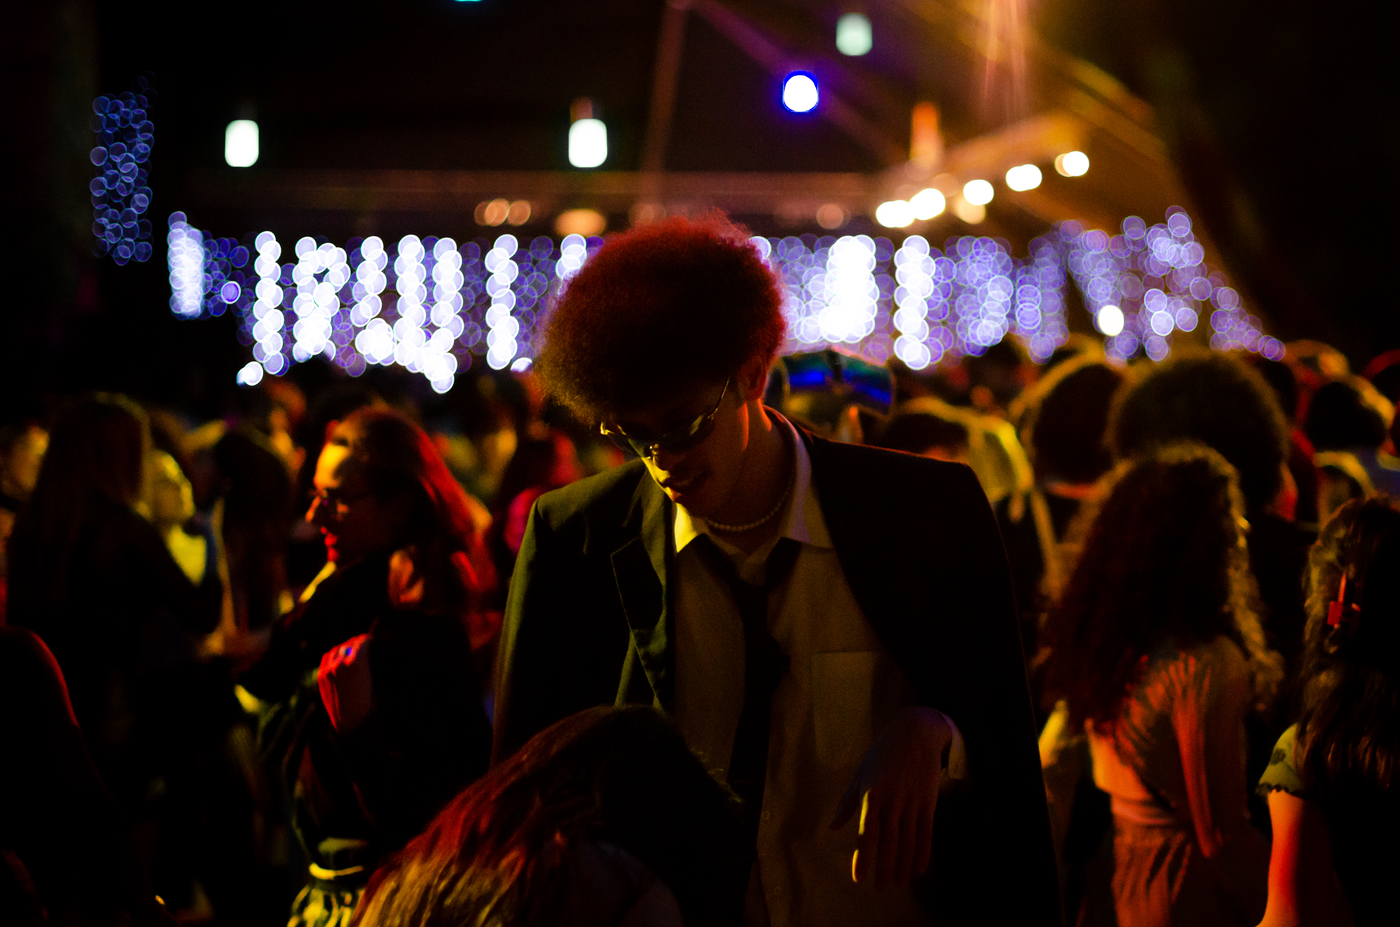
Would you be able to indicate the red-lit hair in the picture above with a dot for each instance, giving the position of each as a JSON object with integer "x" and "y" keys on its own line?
{"x": 659, "y": 310}
{"x": 499, "y": 854}
{"x": 448, "y": 551}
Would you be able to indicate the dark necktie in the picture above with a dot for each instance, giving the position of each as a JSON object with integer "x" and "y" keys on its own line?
{"x": 764, "y": 667}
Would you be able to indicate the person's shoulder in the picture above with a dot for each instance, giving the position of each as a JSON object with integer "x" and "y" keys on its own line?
{"x": 21, "y": 646}
{"x": 1225, "y": 655}
{"x": 1282, "y": 775}
{"x": 605, "y": 495}
{"x": 29, "y": 672}
{"x": 865, "y": 455}
{"x": 1214, "y": 665}
{"x": 882, "y": 471}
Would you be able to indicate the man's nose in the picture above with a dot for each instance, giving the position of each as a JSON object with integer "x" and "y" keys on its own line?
{"x": 315, "y": 514}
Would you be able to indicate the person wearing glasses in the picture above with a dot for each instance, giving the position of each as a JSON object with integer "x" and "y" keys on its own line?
{"x": 830, "y": 627}
{"x": 375, "y": 712}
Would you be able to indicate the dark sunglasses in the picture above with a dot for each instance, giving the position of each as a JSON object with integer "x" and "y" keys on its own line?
{"x": 676, "y": 441}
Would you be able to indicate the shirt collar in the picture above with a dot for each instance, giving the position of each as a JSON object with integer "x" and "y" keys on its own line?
{"x": 803, "y": 521}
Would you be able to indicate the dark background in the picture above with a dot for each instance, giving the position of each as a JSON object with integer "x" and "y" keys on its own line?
{"x": 1280, "y": 117}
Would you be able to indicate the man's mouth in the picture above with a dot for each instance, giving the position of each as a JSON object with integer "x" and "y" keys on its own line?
{"x": 674, "y": 484}
{"x": 330, "y": 540}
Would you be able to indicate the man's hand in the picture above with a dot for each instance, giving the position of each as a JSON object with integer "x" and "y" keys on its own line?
{"x": 896, "y": 790}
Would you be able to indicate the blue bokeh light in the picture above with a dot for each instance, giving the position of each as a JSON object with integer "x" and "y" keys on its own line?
{"x": 800, "y": 93}
{"x": 119, "y": 191}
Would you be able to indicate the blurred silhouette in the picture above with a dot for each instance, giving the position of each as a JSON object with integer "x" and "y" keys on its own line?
{"x": 1347, "y": 423}
{"x": 1331, "y": 782}
{"x": 538, "y": 465}
{"x": 66, "y": 855}
{"x": 96, "y": 581}
{"x": 22, "y": 446}
{"x": 605, "y": 817}
{"x": 1063, "y": 419}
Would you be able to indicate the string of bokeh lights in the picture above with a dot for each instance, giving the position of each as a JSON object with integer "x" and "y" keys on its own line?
{"x": 434, "y": 306}
{"x": 120, "y": 194}
{"x": 1148, "y": 282}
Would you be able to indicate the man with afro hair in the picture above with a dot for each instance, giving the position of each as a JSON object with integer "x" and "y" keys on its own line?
{"x": 830, "y": 627}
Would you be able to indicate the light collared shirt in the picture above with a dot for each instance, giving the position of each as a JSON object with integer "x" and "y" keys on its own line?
{"x": 840, "y": 691}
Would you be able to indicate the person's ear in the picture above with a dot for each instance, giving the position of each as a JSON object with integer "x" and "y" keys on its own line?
{"x": 752, "y": 379}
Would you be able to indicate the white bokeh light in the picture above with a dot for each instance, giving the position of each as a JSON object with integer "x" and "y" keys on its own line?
{"x": 800, "y": 92}
{"x": 978, "y": 192}
{"x": 928, "y": 204}
{"x": 573, "y": 250}
{"x": 913, "y": 271}
{"x": 853, "y": 35}
{"x": 250, "y": 374}
{"x": 1072, "y": 164}
{"x": 503, "y": 328}
{"x": 849, "y": 291}
{"x": 1110, "y": 320}
{"x": 241, "y": 143}
{"x": 588, "y": 143}
{"x": 894, "y": 214}
{"x": 186, "y": 263}
{"x": 1023, "y": 177}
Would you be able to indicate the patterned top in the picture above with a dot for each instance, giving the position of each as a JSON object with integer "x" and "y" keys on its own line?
{"x": 1281, "y": 774}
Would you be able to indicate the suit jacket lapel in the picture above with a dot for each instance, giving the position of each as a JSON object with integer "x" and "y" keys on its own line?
{"x": 641, "y": 568}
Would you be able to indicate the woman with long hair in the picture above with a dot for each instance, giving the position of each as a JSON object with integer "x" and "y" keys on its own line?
{"x": 1331, "y": 782}
{"x": 604, "y": 818}
{"x": 399, "y": 534}
{"x": 391, "y": 724}
{"x": 1154, "y": 649}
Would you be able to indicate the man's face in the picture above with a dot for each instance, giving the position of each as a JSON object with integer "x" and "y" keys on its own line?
{"x": 354, "y": 522}
{"x": 704, "y": 477}
{"x": 172, "y": 497}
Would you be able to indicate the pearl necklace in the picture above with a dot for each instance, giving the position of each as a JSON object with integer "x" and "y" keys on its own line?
{"x": 739, "y": 529}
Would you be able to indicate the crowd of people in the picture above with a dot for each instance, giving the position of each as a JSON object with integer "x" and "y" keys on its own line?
{"x": 692, "y": 633}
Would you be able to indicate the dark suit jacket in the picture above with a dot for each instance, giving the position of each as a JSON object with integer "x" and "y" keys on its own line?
{"x": 590, "y": 622}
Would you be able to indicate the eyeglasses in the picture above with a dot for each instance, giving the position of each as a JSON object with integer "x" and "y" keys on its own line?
{"x": 676, "y": 441}
{"x": 334, "y": 501}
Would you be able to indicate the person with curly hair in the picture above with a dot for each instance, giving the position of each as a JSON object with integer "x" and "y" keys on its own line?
{"x": 1331, "y": 783}
{"x": 1155, "y": 650}
{"x": 1218, "y": 400}
{"x": 831, "y": 627}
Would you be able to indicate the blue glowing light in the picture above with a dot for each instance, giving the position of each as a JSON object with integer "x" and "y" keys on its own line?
{"x": 800, "y": 92}
{"x": 119, "y": 191}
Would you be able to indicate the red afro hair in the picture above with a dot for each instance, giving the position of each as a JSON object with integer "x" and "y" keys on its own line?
{"x": 656, "y": 311}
